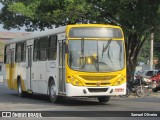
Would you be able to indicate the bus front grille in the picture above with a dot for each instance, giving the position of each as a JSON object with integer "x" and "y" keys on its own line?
{"x": 97, "y": 89}
{"x": 97, "y": 78}
{"x": 95, "y": 84}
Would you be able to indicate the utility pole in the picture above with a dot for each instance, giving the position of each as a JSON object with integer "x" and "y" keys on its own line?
{"x": 151, "y": 51}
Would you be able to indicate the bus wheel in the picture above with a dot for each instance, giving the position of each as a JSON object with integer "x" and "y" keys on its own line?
{"x": 104, "y": 99}
{"x": 20, "y": 91}
{"x": 52, "y": 91}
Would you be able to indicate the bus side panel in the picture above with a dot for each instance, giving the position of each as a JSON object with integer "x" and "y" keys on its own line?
{"x": 52, "y": 68}
{"x": 39, "y": 82}
{"x": 20, "y": 72}
{"x": 41, "y": 72}
{"x": 12, "y": 69}
{"x": 14, "y": 78}
{"x": 7, "y": 75}
{"x": 35, "y": 77}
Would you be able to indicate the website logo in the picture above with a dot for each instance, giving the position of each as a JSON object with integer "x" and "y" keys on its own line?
{"x": 6, "y": 114}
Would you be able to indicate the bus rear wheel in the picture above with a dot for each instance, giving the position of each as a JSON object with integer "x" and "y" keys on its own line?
{"x": 19, "y": 89}
{"x": 104, "y": 99}
{"x": 52, "y": 92}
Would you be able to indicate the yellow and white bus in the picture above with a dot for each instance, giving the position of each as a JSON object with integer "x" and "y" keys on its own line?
{"x": 81, "y": 60}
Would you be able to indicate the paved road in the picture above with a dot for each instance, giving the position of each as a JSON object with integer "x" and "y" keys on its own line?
{"x": 9, "y": 101}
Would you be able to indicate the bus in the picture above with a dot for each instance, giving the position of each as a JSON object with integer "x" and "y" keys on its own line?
{"x": 81, "y": 60}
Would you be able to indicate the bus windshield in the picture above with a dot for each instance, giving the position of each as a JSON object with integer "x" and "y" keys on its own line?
{"x": 96, "y": 55}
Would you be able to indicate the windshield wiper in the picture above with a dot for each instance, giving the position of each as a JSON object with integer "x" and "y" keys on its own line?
{"x": 106, "y": 46}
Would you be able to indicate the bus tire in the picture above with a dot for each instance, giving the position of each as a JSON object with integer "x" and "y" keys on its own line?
{"x": 52, "y": 91}
{"x": 19, "y": 89}
{"x": 104, "y": 99}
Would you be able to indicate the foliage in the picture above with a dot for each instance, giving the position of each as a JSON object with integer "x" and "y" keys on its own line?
{"x": 37, "y": 14}
{"x": 144, "y": 55}
{"x": 145, "y": 52}
{"x": 156, "y": 49}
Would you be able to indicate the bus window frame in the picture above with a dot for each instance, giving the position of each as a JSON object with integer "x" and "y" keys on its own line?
{"x": 7, "y": 54}
{"x": 43, "y": 49}
{"x": 54, "y": 48}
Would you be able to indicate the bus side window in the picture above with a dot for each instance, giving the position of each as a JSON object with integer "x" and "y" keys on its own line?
{"x": 36, "y": 50}
{"x": 52, "y": 51}
{"x": 23, "y": 52}
{"x": 7, "y": 54}
{"x": 43, "y": 48}
{"x": 18, "y": 52}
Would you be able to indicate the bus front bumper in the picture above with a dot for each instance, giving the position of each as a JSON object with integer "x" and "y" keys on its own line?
{"x": 95, "y": 91}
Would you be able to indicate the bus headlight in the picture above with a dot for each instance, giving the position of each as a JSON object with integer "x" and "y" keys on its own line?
{"x": 119, "y": 81}
{"x": 75, "y": 82}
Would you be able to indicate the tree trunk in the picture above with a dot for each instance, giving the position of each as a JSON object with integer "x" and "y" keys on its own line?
{"x": 133, "y": 46}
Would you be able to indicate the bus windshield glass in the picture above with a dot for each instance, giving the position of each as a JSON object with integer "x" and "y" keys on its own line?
{"x": 96, "y": 55}
{"x": 95, "y": 32}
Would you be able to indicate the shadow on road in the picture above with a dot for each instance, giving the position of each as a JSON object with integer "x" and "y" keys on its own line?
{"x": 11, "y": 96}
{"x": 65, "y": 101}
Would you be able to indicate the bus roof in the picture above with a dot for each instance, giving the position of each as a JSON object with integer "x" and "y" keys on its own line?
{"x": 38, "y": 34}
{"x": 49, "y": 32}
{"x": 93, "y": 25}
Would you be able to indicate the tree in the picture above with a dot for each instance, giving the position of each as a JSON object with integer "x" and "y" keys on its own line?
{"x": 156, "y": 49}
{"x": 38, "y": 14}
{"x": 138, "y": 18}
{"x": 144, "y": 55}
{"x": 140, "y": 24}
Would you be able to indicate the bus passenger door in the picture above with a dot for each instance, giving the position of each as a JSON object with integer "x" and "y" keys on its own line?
{"x": 61, "y": 44}
{"x": 28, "y": 67}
